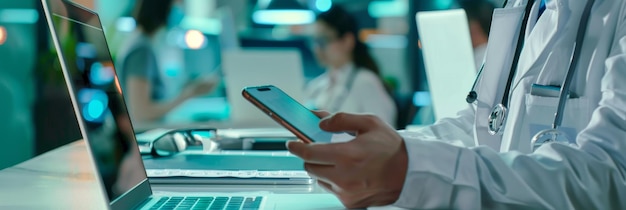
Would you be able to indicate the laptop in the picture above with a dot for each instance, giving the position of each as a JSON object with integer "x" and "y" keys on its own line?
{"x": 254, "y": 67}
{"x": 447, "y": 50}
{"x": 106, "y": 127}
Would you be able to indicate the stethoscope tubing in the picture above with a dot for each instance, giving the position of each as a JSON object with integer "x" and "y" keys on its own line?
{"x": 565, "y": 87}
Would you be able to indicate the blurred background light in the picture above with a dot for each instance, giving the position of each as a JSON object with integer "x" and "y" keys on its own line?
{"x": 3, "y": 35}
{"x": 323, "y": 5}
{"x": 421, "y": 98}
{"x": 211, "y": 26}
{"x": 387, "y": 8}
{"x": 194, "y": 39}
{"x": 126, "y": 24}
{"x": 19, "y": 16}
{"x": 94, "y": 104}
{"x": 283, "y": 17}
{"x": 282, "y": 12}
{"x": 85, "y": 50}
{"x": 101, "y": 74}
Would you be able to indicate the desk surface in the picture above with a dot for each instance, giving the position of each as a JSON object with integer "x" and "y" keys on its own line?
{"x": 60, "y": 179}
{"x": 63, "y": 179}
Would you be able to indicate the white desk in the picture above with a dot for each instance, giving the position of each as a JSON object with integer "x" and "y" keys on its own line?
{"x": 63, "y": 179}
{"x": 60, "y": 179}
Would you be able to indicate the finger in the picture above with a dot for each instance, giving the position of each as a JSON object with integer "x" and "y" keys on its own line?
{"x": 326, "y": 173}
{"x": 325, "y": 154}
{"x": 341, "y": 122}
{"x": 325, "y": 185}
{"x": 321, "y": 114}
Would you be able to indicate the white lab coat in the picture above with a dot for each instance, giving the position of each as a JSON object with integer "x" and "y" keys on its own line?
{"x": 366, "y": 94}
{"x": 456, "y": 164}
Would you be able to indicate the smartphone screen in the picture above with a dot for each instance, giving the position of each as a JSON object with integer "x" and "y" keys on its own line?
{"x": 288, "y": 112}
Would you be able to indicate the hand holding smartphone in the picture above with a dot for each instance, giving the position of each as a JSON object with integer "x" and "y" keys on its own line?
{"x": 287, "y": 112}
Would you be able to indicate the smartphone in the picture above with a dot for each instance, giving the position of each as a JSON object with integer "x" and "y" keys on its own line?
{"x": 287, "y": 112}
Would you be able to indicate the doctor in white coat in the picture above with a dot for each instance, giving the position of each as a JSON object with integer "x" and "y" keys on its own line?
{"x": 458, "y": 164}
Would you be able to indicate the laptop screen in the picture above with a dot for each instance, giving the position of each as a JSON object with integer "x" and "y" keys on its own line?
{"x": 101, "y": 110}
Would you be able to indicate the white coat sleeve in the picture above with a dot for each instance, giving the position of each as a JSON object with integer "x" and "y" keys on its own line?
{"x": 456, "y": 130}
{"x": 556, "y": 176}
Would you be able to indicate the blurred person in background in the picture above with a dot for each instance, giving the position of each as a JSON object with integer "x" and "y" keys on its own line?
{"x": 147, "y": 89}
{"x": 479, "y": 14}
{"x": 352, "y": 82}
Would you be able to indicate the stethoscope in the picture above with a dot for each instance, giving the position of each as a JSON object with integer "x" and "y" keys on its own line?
{"x": 498, "y": 115}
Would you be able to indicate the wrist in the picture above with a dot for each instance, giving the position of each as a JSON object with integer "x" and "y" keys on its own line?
{"x": 398, "y": 167}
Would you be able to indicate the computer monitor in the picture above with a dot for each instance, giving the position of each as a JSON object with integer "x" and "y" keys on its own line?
{"x": 310, "y": 66}
{"x": 447, "y": 50}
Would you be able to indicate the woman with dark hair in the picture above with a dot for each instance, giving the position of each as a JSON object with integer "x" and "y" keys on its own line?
{"x": 352, "y": 82}
{"x": 149, "y": 91}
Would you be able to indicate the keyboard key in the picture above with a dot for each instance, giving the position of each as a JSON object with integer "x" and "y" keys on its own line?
{"x": 213, "y": 203}
{"x": 236, "y": 199}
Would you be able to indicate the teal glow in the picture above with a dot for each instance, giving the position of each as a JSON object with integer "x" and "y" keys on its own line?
{"x": 323, "y": 5}
{"x": 443, "y": 4}
{"x": 172, "y": 70}
{"x": 422, "y": 98}
{"x": 283, "y": 17}
{"x": 395, "y": 8}
{"x": 94, "y": 109}
{"x": 100, "y": 74}
{"x": 19, "y": 16}
{"x": 94, "y": 104}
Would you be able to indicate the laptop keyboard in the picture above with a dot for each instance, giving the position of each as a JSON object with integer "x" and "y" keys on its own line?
{"x": 210, "y": 203}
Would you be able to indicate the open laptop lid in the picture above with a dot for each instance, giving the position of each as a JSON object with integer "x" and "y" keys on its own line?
{"x": 98, "y": 102}
{"x": 448, "y": 58}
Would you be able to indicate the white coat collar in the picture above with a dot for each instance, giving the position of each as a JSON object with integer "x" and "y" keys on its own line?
{"x": 555, "y": 21}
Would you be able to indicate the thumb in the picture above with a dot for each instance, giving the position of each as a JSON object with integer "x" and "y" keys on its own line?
{"x": 321, "y": 114}
{"x": 342, "y": 122}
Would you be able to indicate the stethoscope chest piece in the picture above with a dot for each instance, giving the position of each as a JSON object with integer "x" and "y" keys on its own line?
{"x": 548, "y": 136}
{"x": 497, "y": 118}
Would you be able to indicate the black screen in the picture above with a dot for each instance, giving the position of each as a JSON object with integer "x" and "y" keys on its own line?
{"x": 101, "y": 109}
{"x": 292, "y": 112}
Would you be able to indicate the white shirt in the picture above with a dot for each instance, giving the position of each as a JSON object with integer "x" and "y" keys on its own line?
{"x": 454, "y": 164}
{"x": 331, "y": 92}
